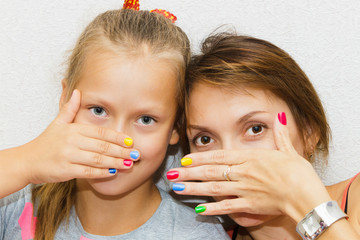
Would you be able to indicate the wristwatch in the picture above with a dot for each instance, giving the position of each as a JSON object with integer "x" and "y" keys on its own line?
{"x": 319, "y": 219}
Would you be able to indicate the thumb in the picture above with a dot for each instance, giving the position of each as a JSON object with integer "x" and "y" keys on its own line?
{"x": 69, "y": 110}
{"x": 281, "y": 134}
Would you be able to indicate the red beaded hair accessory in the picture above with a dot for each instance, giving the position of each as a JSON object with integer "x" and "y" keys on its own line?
{"x": 134, "y": 4}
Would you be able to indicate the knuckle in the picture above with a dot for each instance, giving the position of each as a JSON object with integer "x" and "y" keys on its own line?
{"x": 97, "y": 159}
{"x": 226, "y": 206}
{"x": 210, "y": 172}
{"x": 218, "y": 157}
{"x": 101, "y": 132}
{"x": 89, "y": 172}
{"x": 215, "y": 188}
{"x": 104, "y": 147}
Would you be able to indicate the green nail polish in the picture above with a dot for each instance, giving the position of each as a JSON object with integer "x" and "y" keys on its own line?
{"x": 200, "y": 209}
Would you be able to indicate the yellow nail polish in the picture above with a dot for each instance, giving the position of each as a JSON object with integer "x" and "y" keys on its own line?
{"x": 128, "y": 142}
{"x": 186, "y": 161}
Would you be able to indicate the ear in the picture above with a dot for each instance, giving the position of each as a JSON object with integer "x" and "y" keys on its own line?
{"x": 63, "y": 94}
{"x": 312, "y": 138}
{"x": 174, "y": 139}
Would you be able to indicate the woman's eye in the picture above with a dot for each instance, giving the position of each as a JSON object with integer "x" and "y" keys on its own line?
{"x": 98, "y": 111}
{"x": 255, "y": 130}
{"x": 203, "y": 140}
{"x": 146, "y": 120}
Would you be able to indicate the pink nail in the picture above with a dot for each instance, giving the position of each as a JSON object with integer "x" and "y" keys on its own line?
{"x": 282, "y": 118}
{"x": 127, "y": 162}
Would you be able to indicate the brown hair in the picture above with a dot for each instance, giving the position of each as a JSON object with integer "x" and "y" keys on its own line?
{"x": 232, "y": 61}
{"x": 136, "y": 34}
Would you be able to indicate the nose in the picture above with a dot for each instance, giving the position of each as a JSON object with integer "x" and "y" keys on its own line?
{"x": 120, "y": 125}
{"x": 232, "y": 144}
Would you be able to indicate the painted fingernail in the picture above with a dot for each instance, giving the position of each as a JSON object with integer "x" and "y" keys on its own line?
{"x": 186, "y": 161}
{"x": 200, "y": 209}
{"x": 128, "y": 141}
{"x": 178, "y": 187}
{"x": 112, "y": 170}
{"x": 134, "y": 154}
{"x": 172, "y": 175}
{"x": 127, "y": 162}
{"x": 282, "y": 118}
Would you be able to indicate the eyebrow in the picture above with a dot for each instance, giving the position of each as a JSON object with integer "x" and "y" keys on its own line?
{"x": 239, "y": 121}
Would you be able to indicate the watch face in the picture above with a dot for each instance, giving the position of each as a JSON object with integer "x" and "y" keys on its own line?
{"x": 312, "y": 224}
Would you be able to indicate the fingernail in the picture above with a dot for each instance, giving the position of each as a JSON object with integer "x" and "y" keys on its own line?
{"x": 134, "y": 154}
{"x": 128, "y": 141}
{"x": 178, "y": 187}
{"x": 200, "y": 209}
{"x": 172, "y": 175}
{"x": 186, "y": 161}
{"x": 282, "y": 118}
{"x": 112, "y": 170}
{"x": 127, "y": 162}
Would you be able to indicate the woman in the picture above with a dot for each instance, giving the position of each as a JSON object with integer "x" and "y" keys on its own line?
{"x": 255, "y": 124}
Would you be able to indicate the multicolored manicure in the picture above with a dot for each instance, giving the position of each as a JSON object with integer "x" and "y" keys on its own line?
{"x": 134, "y": 155}
{"x": 128, "y": 141}
{"x": 186, "y": 161}
{"x": 178, "y": 187}
{"x": 282, "y": 118}
{"x": 112, "y": 170}
{"x": 172, "y": 175}
{"x": 200, "y": 209}
{"x": 127, "y": 162}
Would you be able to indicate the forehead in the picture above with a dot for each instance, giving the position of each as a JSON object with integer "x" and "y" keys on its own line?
{"x": 207, "y": 100}
{"x": 134, "y": 78}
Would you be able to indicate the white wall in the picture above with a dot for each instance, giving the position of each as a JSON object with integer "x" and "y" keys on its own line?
{"x": 322, "y": 36}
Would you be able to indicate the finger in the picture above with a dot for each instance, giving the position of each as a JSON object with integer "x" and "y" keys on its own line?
{"x": 218, "y": 157}
{"x": 218, "y": 188}
{"x": 205, "y": 173}
{"x": 281, "y": 134}
{"x": 105, "y": 134}
{"x": 98, "y": 160}
{"x": 80, "y": 171}
{"x": 70, "y": 109}
{"x": 227, "y": 206}
{"x": 107, "y": 148}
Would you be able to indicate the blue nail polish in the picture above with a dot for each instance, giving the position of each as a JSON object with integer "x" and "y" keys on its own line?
{"x": 112, "y": 170}
{"x": 178, "y": 187}
{"x": 134, "y": 155}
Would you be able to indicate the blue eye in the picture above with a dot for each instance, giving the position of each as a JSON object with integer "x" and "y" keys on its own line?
{"x": 203, "y": 140}
{"x": 98, "y": 111}
{"x": 146, "y": 120}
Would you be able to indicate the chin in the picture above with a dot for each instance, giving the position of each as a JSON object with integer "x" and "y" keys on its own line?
{"x": 250, "y": 220}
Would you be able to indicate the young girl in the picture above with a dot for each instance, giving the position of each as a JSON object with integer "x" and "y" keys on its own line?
{"x": 254, "y": 124}
{"x": 128, "y": 66}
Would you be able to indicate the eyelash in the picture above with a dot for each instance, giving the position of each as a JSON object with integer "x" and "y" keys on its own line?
{"x": 253, "y": 137}
{"x": 98, "y": 107}
{"x": 151, "y": 119}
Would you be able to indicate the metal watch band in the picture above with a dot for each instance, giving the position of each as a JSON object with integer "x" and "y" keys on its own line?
{"x": 319, "y": 219}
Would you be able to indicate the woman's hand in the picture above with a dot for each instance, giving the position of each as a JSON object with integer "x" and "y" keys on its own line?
{"x": 263, "y": 181}
{"x": 66, "y": 150}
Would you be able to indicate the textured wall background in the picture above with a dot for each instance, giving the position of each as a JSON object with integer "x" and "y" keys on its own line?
{"x": 322, "y": 36}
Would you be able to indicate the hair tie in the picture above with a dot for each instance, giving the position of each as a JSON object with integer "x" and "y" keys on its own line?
{"x": 134, "y": 5}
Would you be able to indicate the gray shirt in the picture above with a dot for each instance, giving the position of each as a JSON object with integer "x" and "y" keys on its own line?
{"x": 172, "y": 220}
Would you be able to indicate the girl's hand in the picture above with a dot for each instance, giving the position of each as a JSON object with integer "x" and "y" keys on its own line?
{"x": 67, "y": 150}
{"x": 263, "y": 181}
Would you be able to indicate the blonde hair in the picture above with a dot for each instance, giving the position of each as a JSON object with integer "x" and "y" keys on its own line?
{"x": 231, "y": 61}
{"x": 136, "y": 34}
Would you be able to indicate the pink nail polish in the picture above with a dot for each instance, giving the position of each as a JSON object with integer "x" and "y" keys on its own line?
{"x": 127, "y": 162}
{"x": 282, "y": 118}
{"x": 172, "y": 175}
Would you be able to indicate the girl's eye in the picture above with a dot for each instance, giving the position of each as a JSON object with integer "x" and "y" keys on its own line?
{"x": 203, "y": 140}
{"x": 146, "y": 120}
{"x": 255, "y": 130}
{"x": 98, "y": 111}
